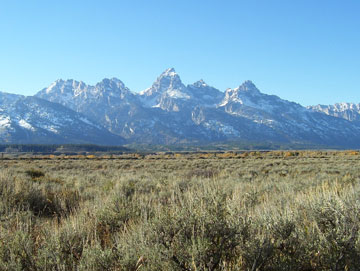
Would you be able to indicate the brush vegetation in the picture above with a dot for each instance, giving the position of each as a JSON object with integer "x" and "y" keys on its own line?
{"x": 279, "y": 210}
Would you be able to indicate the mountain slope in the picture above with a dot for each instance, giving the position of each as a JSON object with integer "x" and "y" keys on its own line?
{"x": 34, "y": 120}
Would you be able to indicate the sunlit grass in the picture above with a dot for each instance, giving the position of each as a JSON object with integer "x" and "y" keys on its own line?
{"x": 227, "y": 211}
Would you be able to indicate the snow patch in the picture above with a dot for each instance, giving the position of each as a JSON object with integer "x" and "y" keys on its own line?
{"x": 53, "y": 130}
{"x": 89, "y": 122}
{"x": 23, "y": 123}
{"x": 4, "y": 122}
{"x": 176, "y": 94}
{"x": 221, "y": 128}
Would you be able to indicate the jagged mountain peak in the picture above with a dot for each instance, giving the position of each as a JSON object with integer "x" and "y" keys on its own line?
{"x": 77, "y": 95}
{"x": 247, "y": 97}
{"x": 71, "y": 87}
{"x": 345, "y": 106}
{"x": 200, "y": 83}
{"x": 338, "y": 107}
{"x": 205, "y": 95}
{"x": 112, "y": 83}
{"x": 112, "y": 87}
{"x": 167, "y": 84}
{"x": 112, "y": 80}
{"x": 248, "y": 86}
{"x": 65, "y": 86}
{"x": 68, "y": 82}
{"x": 169, "y": 72}
{"x": 169, "y": 78}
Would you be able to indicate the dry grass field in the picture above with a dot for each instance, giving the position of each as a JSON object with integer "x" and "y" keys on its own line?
{"x": 209, "y": 211}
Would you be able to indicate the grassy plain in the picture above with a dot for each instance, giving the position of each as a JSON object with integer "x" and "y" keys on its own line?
{"x": 212, "y": 211}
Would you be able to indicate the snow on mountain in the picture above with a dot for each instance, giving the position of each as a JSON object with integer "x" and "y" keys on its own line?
{"x": 75, "y": 94}
{"x": 290, "y": 119}
{"x": 247, "y": 94}
{"x": 205, "y": 95}
{"x": 108, "y": 103}
{"x": 348, "y": 111}
{"x": 34, "y": 120}
{"x": 165, "y": 92}
{"x": 168, "y": 81}
{"x": 247, "y": 101}
{"x": 63, "y": 92}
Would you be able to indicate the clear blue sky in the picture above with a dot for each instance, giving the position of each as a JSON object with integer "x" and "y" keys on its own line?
{"x": 306, "y": 51}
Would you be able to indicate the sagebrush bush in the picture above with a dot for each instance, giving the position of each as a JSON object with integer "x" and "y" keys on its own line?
{"x": 250, "y": 211}
{"x": 198, "y": 232}
{"x": 42, "y": 199}
{"x": 34, "y": 173}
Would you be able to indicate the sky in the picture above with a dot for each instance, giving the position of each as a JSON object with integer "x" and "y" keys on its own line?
{"x": 301, "y": 50}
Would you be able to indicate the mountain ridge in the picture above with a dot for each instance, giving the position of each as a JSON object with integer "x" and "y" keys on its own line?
{"x": 348, "y": 111}
{"x": 170, "y": 112}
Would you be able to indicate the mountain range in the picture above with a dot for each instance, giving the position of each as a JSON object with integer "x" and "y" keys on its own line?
{"x": 170, "y": 112}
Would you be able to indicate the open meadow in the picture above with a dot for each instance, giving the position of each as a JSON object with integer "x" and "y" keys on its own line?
{"x": 276, "y": 210}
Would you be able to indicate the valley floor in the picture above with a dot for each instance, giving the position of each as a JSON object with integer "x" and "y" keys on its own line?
{"x": 278, "y": 210}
